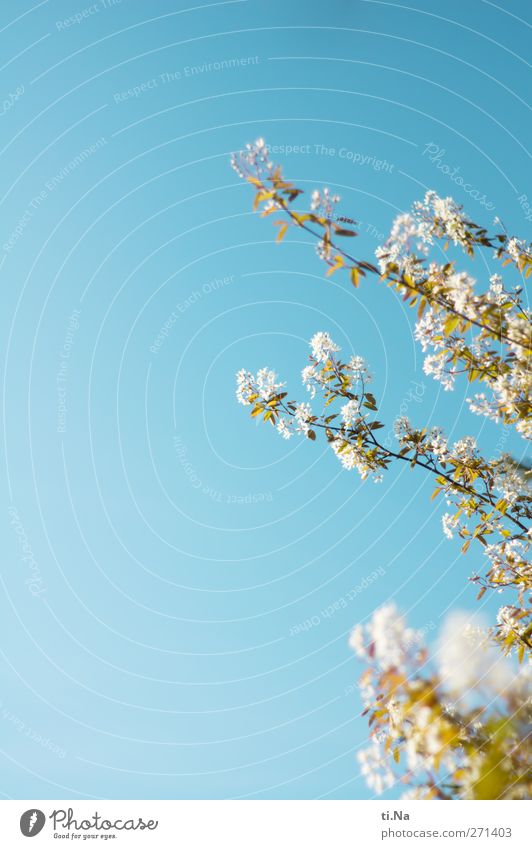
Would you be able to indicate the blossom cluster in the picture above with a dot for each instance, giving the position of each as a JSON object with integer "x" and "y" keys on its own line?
{"x": 441, "y": 217}
{"x": 275, "y": 194}
{"x": 351, "y": 439}
{"x": 452, "y": 726}
{"x": 323, "y": 203}
{"x": 457, "y": 326}
{"x": 507, "y": 377}
{"x": 254, "y": 158}
{"x": 485, "y": 335}
{"x": 404, "y": 247}
{"x": 474, "y": 486}
{"x": 262, "y": 386}
{"x": 488, "y": 501}
{"x": 424, "y": 719}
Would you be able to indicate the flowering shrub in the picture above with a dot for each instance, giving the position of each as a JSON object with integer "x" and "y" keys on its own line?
{"x": 485, "y": 336}
{"x": 448, "y": 307}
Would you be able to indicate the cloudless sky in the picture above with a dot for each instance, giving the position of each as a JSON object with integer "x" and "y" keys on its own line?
{"x": 161, "y": 551}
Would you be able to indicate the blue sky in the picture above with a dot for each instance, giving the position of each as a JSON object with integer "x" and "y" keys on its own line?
{"x": 150, "y": 645}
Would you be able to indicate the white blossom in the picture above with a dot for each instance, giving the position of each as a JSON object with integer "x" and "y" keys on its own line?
{"x": 424, "y": 740}
{"x": 449, "y": 524}
{"x": 524, "y": 427}
{"x": 402, "y": 428}
{"x": 515, "y": 248}
{"x": 322, "y": 346}
{"x": 435, "y": 365}
{"x": 283, "y": 429}
{"x": 436, "y": 213}
{"x": 350, "y": 412}
{"x": 481, "y": 406}
{"x": 357, "y": 641}
{"x": 359, "y": 369}
{"x": 420, "y": 791}
{"x": 438, "y": 444}
{"x": 464, "y": 449}
{"x": 468, "y": 661}
{"x": 508, "y": 555}
{"x": 310, "y": 378}
{"x": 351, "y": 457}
{"x": 429, "y": 331}
{"x": 323, "y": 203}
{"x": 302, "y": 414}
{"x": 322, "y": 249}
{"x": 267, "y": 386}
{"x": 264, "y": 384}
{"x": 375, "y": 768}
{"x": 244, "y": 386}
{"x": 496, "y": 290}
{"x": 510, "y": 481}
{"x": 398, "y": 249}
{"x": 385, "y": 639}
{"x": 254, "y": 157}
{"x": 508, "y": 620}
{"x": 460, "y": 294}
